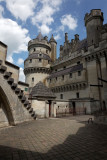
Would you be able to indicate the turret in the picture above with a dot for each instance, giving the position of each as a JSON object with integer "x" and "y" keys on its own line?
{"x": 53, "y": 48}
{"x": 37, "y": 65}
{"x": 93, "y": 22}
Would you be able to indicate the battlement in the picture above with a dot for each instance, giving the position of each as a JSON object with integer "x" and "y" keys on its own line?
{"x": 95, "y": 13}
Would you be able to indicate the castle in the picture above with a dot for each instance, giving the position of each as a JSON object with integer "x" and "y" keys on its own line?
{"x": 75, "y": 83}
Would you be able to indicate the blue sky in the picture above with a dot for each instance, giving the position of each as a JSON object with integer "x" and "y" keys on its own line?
{"x": 21, "y": 20}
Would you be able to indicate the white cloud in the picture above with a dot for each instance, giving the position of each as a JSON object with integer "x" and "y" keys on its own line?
{"x": 69, "y": 21}
{"x": 57, "y": 37}
{"x": 21, "y": 75}
{"x": 22, "y": 9}
{"x": 1, "y": 11}
{"x": 10, "y": 59}
{"x": 44, "y": 29}
{"x": 44, "y": 17}
{"x": 14, "y": 36}
{"x": 20, "y": 61}
{"x": 40, "y": 12}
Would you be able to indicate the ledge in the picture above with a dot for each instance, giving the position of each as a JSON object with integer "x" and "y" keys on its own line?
{"x": 11, "y": 65}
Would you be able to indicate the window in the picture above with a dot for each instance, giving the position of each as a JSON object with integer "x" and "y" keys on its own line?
{"x": 39, "y": 59}
{"x": 48, "y": 61}
{"x": 50, "y": 80}
{"x": 56, "y": 70}
{"x": 70, "y": 75}
{"x": 56, "y": 78}
{"x": 30, "y": 60}
{"x": 61, "y": 96}
{"x": 77, "y": 94}
{"x": 64, "y": 67}
{"x": 34, "y": 49}
{"x": 78, "y": 62}
{"x": 62, "y": 77}
{"x": 32, "y": 79}
{"x": 26, "y": 89}
{"x": 47, "y": 51}
{"x": 79, "y": 73}
{"x": 40, "y": 55}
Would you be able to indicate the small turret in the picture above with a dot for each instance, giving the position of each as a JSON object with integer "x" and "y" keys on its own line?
{"x": 93, "y": 22}
{"x": 53, "y": 48}
{"x": 66, "y": 37}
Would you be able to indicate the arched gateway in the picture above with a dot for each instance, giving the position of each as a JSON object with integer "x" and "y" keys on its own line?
{"x": 6, "y": 117}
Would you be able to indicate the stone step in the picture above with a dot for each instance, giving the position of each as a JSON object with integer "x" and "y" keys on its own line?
{"x": 34, "y": 117}
{"x": 7, "y": 75}
{"x": 17, "y": 90}
{"x": 23, "y": 99}
{"x": 10, "y": 81}
{"x": 26, "y": 102}
{"x": 30, "y": 110}
{"x": 28, "y": 106}
{"x": 14, "y": 85}
{"x": 20, "y": 95}
{"x": 32, "y": 113}
{"x": 3, "y": 69}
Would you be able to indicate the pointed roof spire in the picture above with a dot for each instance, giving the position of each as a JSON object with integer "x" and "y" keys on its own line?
{"x": 52, "y": 39}
{"x": 40, "y": 37}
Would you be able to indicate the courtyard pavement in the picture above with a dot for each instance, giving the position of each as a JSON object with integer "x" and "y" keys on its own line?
{"x": 69, "y": 138}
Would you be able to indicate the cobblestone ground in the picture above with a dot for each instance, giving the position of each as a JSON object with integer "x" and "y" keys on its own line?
{"x": 54, "y": 139}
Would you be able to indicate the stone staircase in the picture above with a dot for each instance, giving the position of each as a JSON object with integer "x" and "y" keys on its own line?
{"x": 17, "y": 91}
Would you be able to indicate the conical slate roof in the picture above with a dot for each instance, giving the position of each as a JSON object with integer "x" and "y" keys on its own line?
{"x": 52, "y": 39}
{"x": 40, "y": 90}
{"x": 39, "y": 36}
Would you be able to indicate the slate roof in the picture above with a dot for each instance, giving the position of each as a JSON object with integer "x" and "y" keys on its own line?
{"x": 40, "y": 90}
{"x": 52, "y": 39}
{"x": 36, "y": 56}
{"x": 67, "y": 70}
{"x": 40, "y": 37}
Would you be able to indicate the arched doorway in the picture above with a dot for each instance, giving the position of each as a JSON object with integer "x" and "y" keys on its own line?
{"x": 6, "y": 117}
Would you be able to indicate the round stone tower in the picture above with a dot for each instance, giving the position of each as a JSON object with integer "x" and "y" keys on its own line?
{"x": 93, "y": 23}
{"x": 37, "y": 65}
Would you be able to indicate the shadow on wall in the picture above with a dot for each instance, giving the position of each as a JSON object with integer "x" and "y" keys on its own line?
{"x": 84, "y": 145}
{"x": 6, "y": 109}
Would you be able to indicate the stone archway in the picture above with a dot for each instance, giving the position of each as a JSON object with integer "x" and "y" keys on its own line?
{"x": 6, "y": 117}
